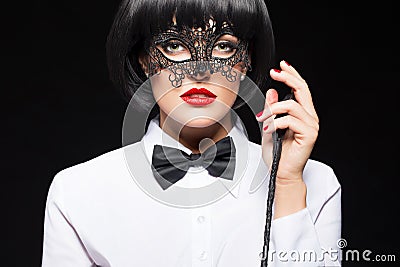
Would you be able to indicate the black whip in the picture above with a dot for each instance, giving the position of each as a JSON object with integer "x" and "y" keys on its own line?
{"x": 277, "y": 149}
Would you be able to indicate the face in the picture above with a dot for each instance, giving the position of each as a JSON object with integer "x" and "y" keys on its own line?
{"x": 196, "y": 73}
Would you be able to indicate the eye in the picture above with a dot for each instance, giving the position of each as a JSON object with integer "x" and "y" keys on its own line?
{"x": 174, "y": 50}
{"x": 225, "y": 46}
{"x": 224, "y": 49}
{"x": 173, "y": 47}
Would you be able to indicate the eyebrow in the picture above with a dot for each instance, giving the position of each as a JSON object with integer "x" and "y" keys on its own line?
{"x": 230, "y": 37}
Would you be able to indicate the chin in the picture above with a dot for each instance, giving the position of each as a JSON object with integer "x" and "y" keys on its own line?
{"x": 198, "y": 117}
{"x": 201, "y": 122}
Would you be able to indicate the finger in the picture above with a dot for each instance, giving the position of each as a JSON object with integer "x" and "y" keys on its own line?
{"x": 300, "y": 89}
{"x": 268, "y": 122}
{"x": 294, "y": 109}
{"x": 270, "y": 97}
{"x": 289, "y": 68}
{"x": 300, "y": 129}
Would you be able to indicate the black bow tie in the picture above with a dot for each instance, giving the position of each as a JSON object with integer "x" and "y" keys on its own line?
{"x": 170, "y": 164}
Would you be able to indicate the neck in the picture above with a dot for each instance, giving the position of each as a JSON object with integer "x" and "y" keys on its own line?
{"x": 191, "y": 137}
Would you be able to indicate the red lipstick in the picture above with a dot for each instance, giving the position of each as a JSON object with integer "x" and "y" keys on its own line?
{"x": 198, "y": 97}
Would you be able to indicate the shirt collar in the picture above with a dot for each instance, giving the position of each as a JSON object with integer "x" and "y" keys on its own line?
{"x": 155, "y": 135}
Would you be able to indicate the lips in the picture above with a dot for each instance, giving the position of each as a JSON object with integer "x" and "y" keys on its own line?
{"x": 198, "y": 97}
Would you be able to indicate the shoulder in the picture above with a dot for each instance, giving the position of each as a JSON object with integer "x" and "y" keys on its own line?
{"x": 101, "y": 164}
{"x": 95, "y": 176}
{"x": 316, "y": 174}
{"x": 93, "y": 189}
{"x": 320, "y": 179}
{"x": 323, "y": 187}
{"x": 320, "y": 176}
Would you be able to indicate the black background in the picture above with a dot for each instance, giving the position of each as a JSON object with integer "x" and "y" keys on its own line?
{"x": 61, "y": 108}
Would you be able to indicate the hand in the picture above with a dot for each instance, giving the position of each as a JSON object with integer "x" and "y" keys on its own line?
{"x": 301, "y": 120}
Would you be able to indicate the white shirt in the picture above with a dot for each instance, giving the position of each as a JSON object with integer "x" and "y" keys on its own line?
{"x": 97, "y": 214}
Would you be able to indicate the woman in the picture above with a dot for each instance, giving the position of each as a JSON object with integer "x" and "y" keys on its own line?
{"x": 189, "y": 193}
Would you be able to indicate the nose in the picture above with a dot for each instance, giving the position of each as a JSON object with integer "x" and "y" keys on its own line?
{"x": 200, "y": 71}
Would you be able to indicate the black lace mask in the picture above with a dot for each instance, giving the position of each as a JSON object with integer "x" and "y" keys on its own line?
{"x": 199, "y": 54}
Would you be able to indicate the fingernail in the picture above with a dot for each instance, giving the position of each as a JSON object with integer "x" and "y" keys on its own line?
{"x": 278, "y": 71}
{"x": 260, "y": 113}
{"x": 287, "y": 63}
{"x": 265, "y": 128}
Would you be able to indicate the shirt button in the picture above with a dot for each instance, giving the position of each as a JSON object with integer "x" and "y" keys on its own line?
{"x": 200, "y": 219}
{"x": 203, "y": 256}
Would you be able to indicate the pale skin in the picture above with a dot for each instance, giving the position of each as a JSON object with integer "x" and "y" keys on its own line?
{"x": 303, "y": 126}
{"x": 211, "y": 122}
{"x": 302, "y": 123}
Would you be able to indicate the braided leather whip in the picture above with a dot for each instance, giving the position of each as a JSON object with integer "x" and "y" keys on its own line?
{"x": 277, "y": 150}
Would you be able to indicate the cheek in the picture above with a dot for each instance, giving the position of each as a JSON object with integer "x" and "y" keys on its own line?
{"x": 228, "y": 91}
{"x": 168, "y": 103}
{"x": 163, "y": 92}
{"x": 228, "y": 97}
